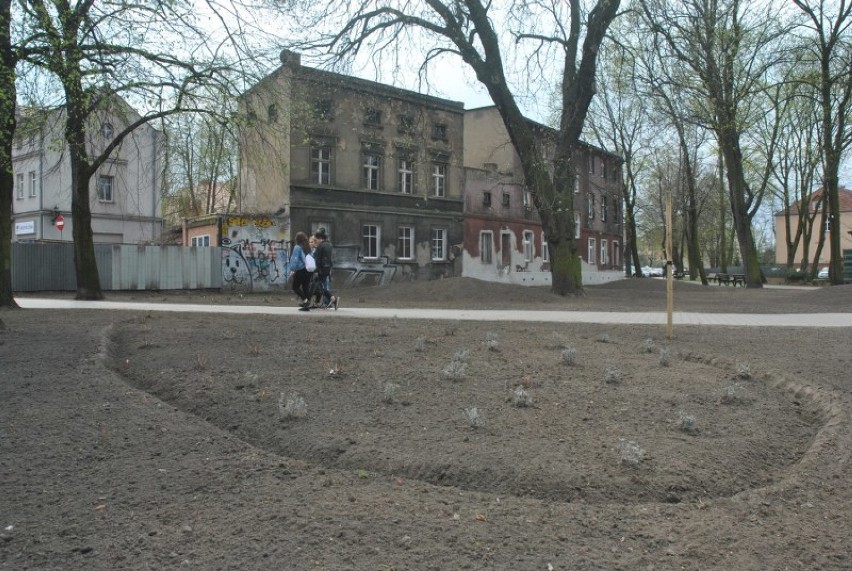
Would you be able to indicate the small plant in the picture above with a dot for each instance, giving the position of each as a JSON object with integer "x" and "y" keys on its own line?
{"x": 732, "y": 394}
{"x": 569, "y": 355}
{"x": 491, "y": 342}
{"x": 558, "y": 341}
{"x": 451, "y": 329}
{"x": 521, "y": 398}
{"x": 743, "y": 370}
{"x": 686, "y": 423}
{"x": 603, "y": 338}
{"x": 201, "y": 361}
{"x": 665, "y": 358}
{"x": 473, "y": 417}
{"x": 612, "y": 375}
{"x": 461, "y": 355}
{"x": 390, "y": 392}
{"x": 254, "y": 349}
{"x": 363, "y": 474}
{"x": 631, "y": 453}
{"x": 292, "y": 406}
{"x": 420, "y": 344}
{"x": 455, "y": 370}
{"x": 648, "y": 345}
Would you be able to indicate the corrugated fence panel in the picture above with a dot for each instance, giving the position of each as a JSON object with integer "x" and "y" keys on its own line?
{"x": 50, "y": 267}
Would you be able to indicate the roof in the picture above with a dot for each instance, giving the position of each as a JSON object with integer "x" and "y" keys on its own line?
{"x": 815, "y": 198}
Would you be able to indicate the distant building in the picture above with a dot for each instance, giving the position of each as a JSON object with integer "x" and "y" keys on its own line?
{"x": 503, "y": 235}
{"x": 380, "y": 168}
{"x": 125, "y": 191}
{"x": 815, "y": 206}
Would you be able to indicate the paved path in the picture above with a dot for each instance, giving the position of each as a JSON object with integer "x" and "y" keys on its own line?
{"x": 627, "y": 318}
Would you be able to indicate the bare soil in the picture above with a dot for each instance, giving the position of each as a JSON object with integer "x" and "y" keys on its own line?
{"x": 143, "y": 440}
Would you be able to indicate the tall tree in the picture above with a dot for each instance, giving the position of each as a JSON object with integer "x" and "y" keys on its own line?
{"x": 467, "y": 30}
{"x": 728, "y": 45}
{"x": 828, "y": 25}
{"x": 8, "y": 61}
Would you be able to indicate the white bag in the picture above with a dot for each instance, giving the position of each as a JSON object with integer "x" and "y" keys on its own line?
{"x": 310, "y": 263}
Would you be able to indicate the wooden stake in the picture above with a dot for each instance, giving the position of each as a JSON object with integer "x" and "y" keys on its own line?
{"x": 669, "y": 269}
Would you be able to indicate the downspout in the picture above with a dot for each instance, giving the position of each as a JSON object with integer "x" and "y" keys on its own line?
{"x": 40, "y": 185}
{"x": 154, "y": 189}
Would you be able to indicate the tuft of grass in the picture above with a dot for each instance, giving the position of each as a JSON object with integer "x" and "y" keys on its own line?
{"x": 491, "y": 342}
{"x": 612, "y": 375}
{"x": 389, "y": 393}
{"x": 420, "y": 344}
{"x": 254, "y": 349}
{"x": 732, "y": 394}
{"x": 521, "y": 398}
{"x": 455, "y": 370}
{"x": 648, "y": 345}
{"x": 461, "y": 355}
{"x": 451, "y": 328}
{"x": 474, "y": 418}
{"x": 743, "y": 371}
{"x": 292, "y": 406}
{"x": 558, "y": 340}
{"x": 603, "y": 338}
{"x": 631, "y": 453}
{"x": 202, "y": 361}
{"x": 686, "y": 423}
{"x": 569, "y": 356}
{"x": 665, "y": 357}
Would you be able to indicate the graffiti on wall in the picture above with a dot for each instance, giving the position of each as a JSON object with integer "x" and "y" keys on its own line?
{"x": 255, "y": 251}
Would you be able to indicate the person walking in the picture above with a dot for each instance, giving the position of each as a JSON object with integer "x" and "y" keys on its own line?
{"x": 325, "y": 263}
{"x": 296, "y": 265}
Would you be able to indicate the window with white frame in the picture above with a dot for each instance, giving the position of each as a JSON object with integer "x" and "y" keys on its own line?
{"x": 486, "y": 247}
{"x": 33, "y": 185}
{"x": 371, "y": 166}
{"x": 603, "y": 208}
{"x": 439, "y": 244}
{"x": 105, "y": 188}
{"x": 325, "y": 225}
{"x": 616, "y": 254}
{"x": 529, "y": 246}
{"x": 372, "y": 239}
{"x": 592, "y": 247}
{"x": 576, "y": 225}
{"x": 528, "y": 199}
{"x": 439, "y": 179}
{"x": 576, "y": 185}
{"x": 405, "y": 243}
{"x": 19, "y": 186}
{"x": 590, "y": 203}
{"x": 201, "y": 240}
{"x": 604, "y": 252}
{"x": 321, "y": 165}
{"x": 545, "y": 249}
{"x": 406, "y": 175}
{"x": 107, "y": 131}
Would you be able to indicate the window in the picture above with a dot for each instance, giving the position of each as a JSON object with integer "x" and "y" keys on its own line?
{"x": 322, "y": 224}
{"x": 321, "y": 165}
{"x": 372, "y": 237}
{"x": 371, "y": 171}
{"x": 107, "y": 131}
{"x": 33, "y": 186}
{"x": 323, "y": 110}
{"x": 507, "y": 200}
{"x": 591, "y": 164}
{"x": 105, "y": 187}
{"x": 604, "y": 252}
{"x": 406, "y": 124}
{"x": 439, "y": 244}
{"x": 486, "y": 199}
{"x": 591, "y": 206}
{"x": 616, "y": 255}
{"x": 406, "y": 176}
{"x": 545, "y": 249}
{"x": 576, "y": 225}
{"x": 405, "y": 247}
{"x": 603, "y": 168}
{"x": 19, "y": 186}
{"x": 373, "y": 117}
{"x": 528, "y": 200}
{"x": 529, "y": 246}
{"x": 272, "y": 113}
{"x": 603, "y": 208}
{"x": 201, "y": 240}
{"x": 486, "y": 247}
{"x": 439, "y": 131}
{"x": 591, "y": 253}
{"x": 439, "y": 179}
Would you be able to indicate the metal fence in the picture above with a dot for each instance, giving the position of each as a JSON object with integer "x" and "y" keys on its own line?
{"x": 49, "y": 266}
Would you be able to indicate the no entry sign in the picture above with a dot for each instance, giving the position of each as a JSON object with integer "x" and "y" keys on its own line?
{"x": 60, "y": 222}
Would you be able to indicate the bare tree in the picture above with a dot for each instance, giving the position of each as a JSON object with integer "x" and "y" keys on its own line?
{"x": 8, "y": 61}
{"x": 467, "y": 30}
{"x": 828, "y": 25}
{"x": 728, "y": 45}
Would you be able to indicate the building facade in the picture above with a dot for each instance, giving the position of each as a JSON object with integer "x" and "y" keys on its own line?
{"x": 808, "y": 250}
{"x": 380, "y": 168}
{"x": 503, "y": 235}
{"x": 125, "y": 192}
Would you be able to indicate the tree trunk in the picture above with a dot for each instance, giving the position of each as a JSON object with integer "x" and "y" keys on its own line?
{"x": 7, "y": 133}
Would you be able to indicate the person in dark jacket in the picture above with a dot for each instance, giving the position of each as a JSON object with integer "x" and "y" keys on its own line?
{"x": 301, "y": 276}
{"x": 324, "y": 255}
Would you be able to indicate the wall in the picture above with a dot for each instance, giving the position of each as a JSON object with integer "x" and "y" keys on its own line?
{"x": 255, "y": 251}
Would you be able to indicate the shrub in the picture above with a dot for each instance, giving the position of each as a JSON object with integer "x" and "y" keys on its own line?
{"x": 558, "y": 341}
{"x": 521, "y": 398}
{"x": 648, "y": 345}
{"x": 665, "y": 357}
{"x": 743, "y": 370}
{"x": 603, "y": 338}
{"x": 389, "y": 392}
{"x": 455, "y": 370}
{"x": 420, "y": 344}
{"x": 686, "y": 422}
{"x": 569, "y": 355}
{"x": 631, "y": 453}
{"x": 612, "y": 376}
{"x": 732, "y": 394}
{"x": 491, "y": 342}
{"x": 292, "y": 406}
{"x": 473, "y": 417}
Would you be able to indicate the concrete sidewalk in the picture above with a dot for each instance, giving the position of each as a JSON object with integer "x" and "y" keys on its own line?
{"x": 624, "y": 318}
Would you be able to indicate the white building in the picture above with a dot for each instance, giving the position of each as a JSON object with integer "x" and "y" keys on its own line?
{"x": 125, "y": 191}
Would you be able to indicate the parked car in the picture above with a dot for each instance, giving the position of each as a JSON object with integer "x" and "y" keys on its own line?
{"x": 654, "y": 272}
{"x": 823, "y": 273}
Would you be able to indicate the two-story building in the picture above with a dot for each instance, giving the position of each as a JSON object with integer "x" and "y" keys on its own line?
{"x": 380, "y": 168}
{"x": 125, "y": 192}
{"x": 503, "y": 235}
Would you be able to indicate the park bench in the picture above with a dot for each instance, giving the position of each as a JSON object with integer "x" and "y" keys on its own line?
{"x": 738, "y": 279}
